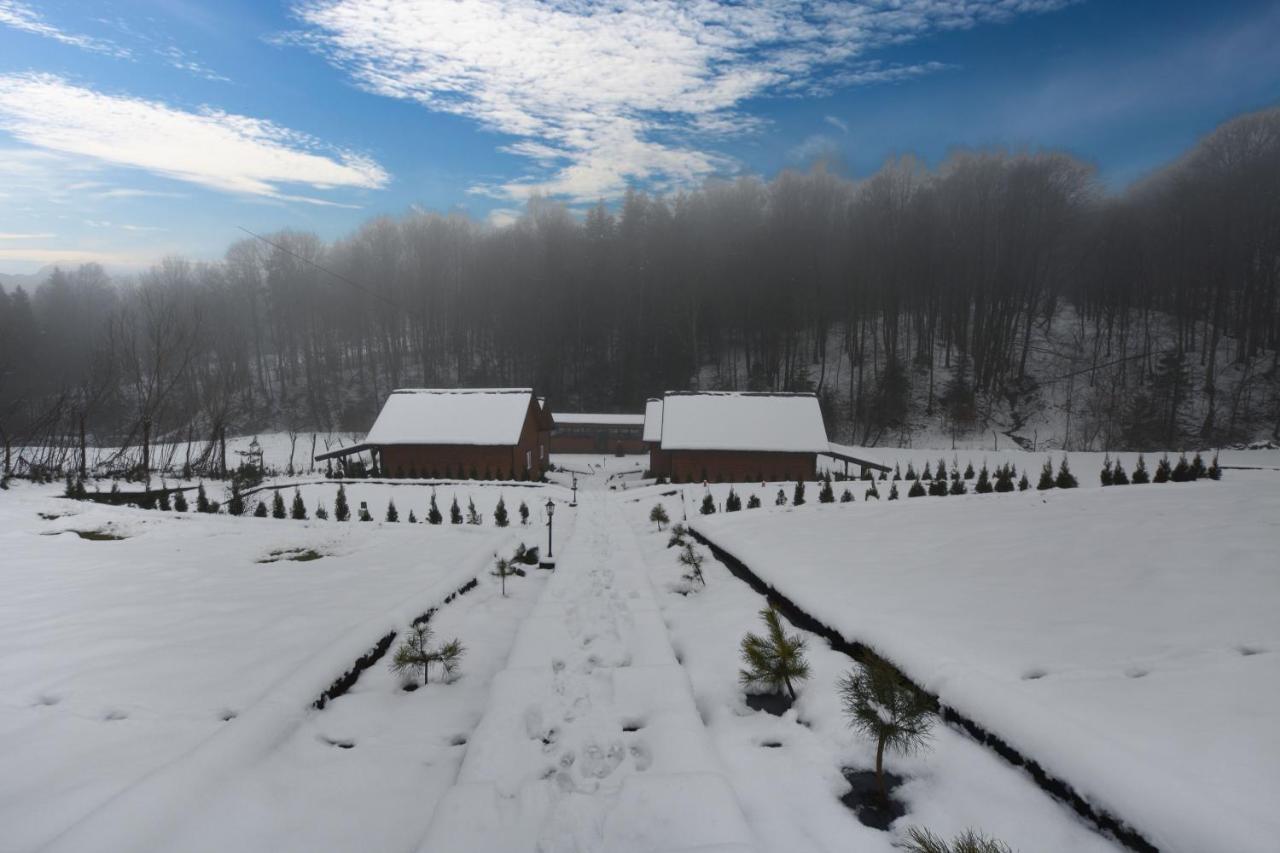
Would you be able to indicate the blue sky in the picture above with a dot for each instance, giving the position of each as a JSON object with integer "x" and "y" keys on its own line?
{"x": 131, "y": 130}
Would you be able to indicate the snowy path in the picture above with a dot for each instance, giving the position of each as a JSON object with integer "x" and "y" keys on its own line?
{"x": 592, "y": 740}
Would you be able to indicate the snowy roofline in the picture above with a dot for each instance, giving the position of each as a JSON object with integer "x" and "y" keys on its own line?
{"x": 751, "y": 421}
{"x": 601, "y": 418}
{"x": 740, "y": 394}
{"x": 463, "y": 391}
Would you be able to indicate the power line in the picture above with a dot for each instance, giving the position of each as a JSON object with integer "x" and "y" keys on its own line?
{"x": 342, "y": 278}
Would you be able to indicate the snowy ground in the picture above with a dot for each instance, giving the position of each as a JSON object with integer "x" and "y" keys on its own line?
{"x": 121, "y": 660}
{"x": 155, "y": 690}
{"x": 1125, "y": 638}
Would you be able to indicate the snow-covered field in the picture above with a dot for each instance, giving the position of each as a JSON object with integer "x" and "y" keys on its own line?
{"x": 1125, "y": 638}
{"x": 140, "y": 674}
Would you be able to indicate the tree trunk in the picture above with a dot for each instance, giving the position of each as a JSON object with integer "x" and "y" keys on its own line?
{"x": 884, "y": 793}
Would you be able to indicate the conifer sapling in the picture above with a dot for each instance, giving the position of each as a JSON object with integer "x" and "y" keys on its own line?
{"x": 708, "y": 505}
{"x": 202, "y": 500}
{"x": 774, "y": 660}
{"x": 781, "y": 499}
{"x": 1118, "y": 475}
{"x": 341, "y": 511}
{"x": 658, "y": 515}
{"x": 277, "y": 505}
{"x": 846, "y": 497}
{"x": 691, "y": 559}
{"x": 921, "y": 840}
{"x": 1140, "y": 476}
{"x": 885, "y": 707}
{"x": 473, "y": 517}
{"x": 500, "y": 513}
{"x": 1065, "y": 480}
{"x": 916, "y": 490}
{"x": 893, "y": 491}
{"x": 733, "y": 502}
{"x": 753, "y": 502}
{"x": 455, "y": 514}
{"x": 1046, "y": 476}
{"x": 524, "y": 513}
{"x": 321, "y": 512}
{"x": 299, "y": 510}
{"x": 797, "y": 498}
{"x": 433, "y": 510}
{"x": 260, "y": 512}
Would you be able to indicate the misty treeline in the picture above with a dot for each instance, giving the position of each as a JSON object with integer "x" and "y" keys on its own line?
{"x": 998, "y": 291}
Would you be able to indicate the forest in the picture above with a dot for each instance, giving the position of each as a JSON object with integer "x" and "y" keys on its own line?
{"x": 1006, "y": 292}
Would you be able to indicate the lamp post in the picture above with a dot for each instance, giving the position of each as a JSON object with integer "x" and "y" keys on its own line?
{"x": 549, "y": 562}
{"x": 575, "y": 491}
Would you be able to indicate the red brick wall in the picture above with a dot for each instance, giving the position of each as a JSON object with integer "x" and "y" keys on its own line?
{"x": 732, "y": 466}
{"x": 457, "y": 460}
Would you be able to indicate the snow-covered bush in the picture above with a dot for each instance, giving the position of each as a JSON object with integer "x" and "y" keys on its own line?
{"x": 826, "y": 494}
{"x": 846, "y": 497}
{"x": 1106, "y": 477}
{"x": 797, "y": 497}
{"x": 893, "y": 491}
{"x": 321, "y": 512}
{"x": 524, "y": 513}
{"x": 1164, "y": 470}
{"x": 260, "y": 512}
{"x": 473, "y": 515}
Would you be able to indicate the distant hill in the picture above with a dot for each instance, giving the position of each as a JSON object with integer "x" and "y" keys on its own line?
{"x": 28, "y": 281}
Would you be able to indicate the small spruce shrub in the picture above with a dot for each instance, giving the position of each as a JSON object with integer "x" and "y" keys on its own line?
{"x": 1024, "y": 483}
{"x": 393, "y": 514}
{"x": 202, "y": 500}
{"x": 893, "y": 491}
{"x": 797, "y": 497}
{"x": 341, "y": 510}
{"x": 968, "y": 471}
{"x": 692, "y": 560}
{"x": 708, "y": 504}
{"x": 321, "y": 512}
{"x": 298, "y": 512}
{"x": 846, "y": 497}
{"x": 733, "y": 502}
{"x": 1065, "y": 479}
{"x": 1106, "y": 477}
{"x": 917, "y": 490}
{"x": 1140, "y": 475}
{"x": 1046, "y": 476}
{"x": 1182, "y": 471}
{"x": 455, "y": 514}
{"x": 1118, "y": 475}
{"x": 261, "y": 511}
{"x": 753, "y": 502}
{"x": 500, "y": 513}
{"x": 277, "y": 505}
{"x": 826, "y": 494}
{"x": 920, "y": 840}
{"x": 434, "y": 515}
{"x": 781, "y": 499}
{"x": 524, "y": 513}
{"x": 1163, "y": 471}
{"x": 473, "y": 517}
{"x": 959, "y": 488}
{"x": 658, "y": 515}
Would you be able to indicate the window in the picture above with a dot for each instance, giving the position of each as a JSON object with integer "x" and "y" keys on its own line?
{"x": 528, "y": 459}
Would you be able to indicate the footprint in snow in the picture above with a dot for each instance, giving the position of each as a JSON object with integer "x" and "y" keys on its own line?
{"x": 598, "y": 762}
{"x": 48, "y": 701}
{"x": 113, "y": 715}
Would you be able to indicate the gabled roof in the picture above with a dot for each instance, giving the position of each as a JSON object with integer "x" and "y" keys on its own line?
{"x": 602, "y": 419}
{"x": 653, "y": 419}
{"x": 742, "y": 420}
{"x": 474, "y": 416}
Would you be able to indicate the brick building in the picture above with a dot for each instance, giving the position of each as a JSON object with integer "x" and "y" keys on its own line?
{"x": 582, "y": 432}
{"x": 730, "y": 436}
{"x": 498, "y": 433}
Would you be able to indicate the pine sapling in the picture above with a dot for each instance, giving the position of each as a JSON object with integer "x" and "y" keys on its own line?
{"x": 872, "y": 492}
{"x": 455, "y": 514}
{"x": 893, "y": 491}
{"x": 364, "y": 513}
{"x": 733, "y": 502}
{"x": 797, "y": 498}
{"x": 938, "y": 487}
{"x": 968, "y": 471}
{"x": 1046, "y": 476}
{"x": 658, "y": 515}
{"x": 235, "y": 504}
{"x": 503, "y": 569}
{"x": 1107, "y": 478}
{"x": 413, "y": 519}
{"x": 753, "y": 502}
{"x": 917, "y": 490}
{"x": 1163, "y": 470}
{"x": 524, "y": 513}
{"x": 341, "y": 510}
{"x": 1140, "y": 475}
{"x": 921, "y": 840}
{"x": 321, "y": 512}
{"x": 1182, "y": 471}
{"x": 1065, "y": 479}
{"x": 678, "y": 532}
{"x": 414, "y": 656}
{"x": 260, "y": 512}
{"x": 911, "y": 472}
{"x": 1024, "y": 483}
{"x": 392, "y": 513}
{"x": 691, "y": 559}
{"x": 299, "y": 510}
{"x": 277, "y": 505}
{"x": 781, "y": 499}
{"x": 1197, "y": 467}
{"x": 708, "y": 505}
{"x": 959, "y": 488}
{"x": 885, "y": 707}
{"x": 927, "y": 474}
{"x": 846, "y": 497}
{"x": 433, "y": 510}
{"x": 473, "y": 517}
{"x": 163, "y": 502}
{"x": 202, "y": 500}
{"x": 1118, "y": 475}
{"x": 826, "y": 494}
{"x": 774, "y": 660}
{"x": 1215, "y": 470}
{"x": 500, "y": 513}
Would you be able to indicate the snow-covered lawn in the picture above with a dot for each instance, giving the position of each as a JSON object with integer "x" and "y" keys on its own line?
{"x": 139, "y": 672}
{"x": 1126, "y": 638}
{"x": 787, "y": 774}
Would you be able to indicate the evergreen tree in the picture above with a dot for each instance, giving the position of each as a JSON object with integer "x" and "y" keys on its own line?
{"x": 958, "y": 487}
{"x": 69, "y": 490}
{"x": 887, "y": 708}
{"x": 502, "y": 569}
{"x": 524, "y": 513}
{"x": 928, "y": 472}
{"x": 413, "y": 519}
{"x": 846, "y": 497}
{"x": 473, "y": 517}
{"x": 364, "y": 514}
{"x": 277, "y": 505}
{"x": 1182, "y": 471}
{"x": 392, "y": 513}
{"x": 1197, "y": 467}
{"x": 733, "y": 502}
{"x": 872, "y": 492}
{"x": 797, "y": 498}
{"x": 897, "y": 473}
{"x": 774, "y": 660}
{"x": 235, "y": 504}
{"x": 781, "y": 499}
{"x": 708, "y": 504}
{"x": 1163, "y": 470}
{"x": 179, "y": 500}
{"x": 321, "y": 512}
{"x": 1106, "y": 477}
{"x": 893, "y": 491}
{"x": 968, "y": 471}
{"x": 1046, "y": 476}
{"x": 299, "y": 510}
{"x": 433, "y": 510}
{"x": 658, "y": 515}
{"x": 917, "y": 490}
{"x": 500, "y": 513}
{"x": 415, "y": 654}
{"x": 1215, "y": 470}
{"x": 1118, "y": 475}
{"x": 753, "y": 502}
{"x": 455, "y": 514}
{"x": 884, "y": 475}
{"x": 260, "y": 512}
{"x": 942, "y": 470}
{"x": 202, "y": 500}
{"x": 691, "y": 559}
{"x": 1065, "y": 480}
{"x": 920, "y": 840}
{"x": 1024, "y": 483}
{"x": 938, "y": 487}
{"x": 1004, "y": 478}
{"x": 826, "y": 494}
{"x": 984, "y": 486}
{"x": 1140, "y": 476}
{"x": 164, "y": 501}
{"x": 341, "y": 511}
{"x": 911, "y": 472}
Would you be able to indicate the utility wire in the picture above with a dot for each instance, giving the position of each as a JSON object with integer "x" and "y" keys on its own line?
{"x": 342, "y": 278}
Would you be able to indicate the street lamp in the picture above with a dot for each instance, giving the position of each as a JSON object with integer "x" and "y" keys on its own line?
{"x": 549, "y": 562}
{"x": 575, "y": 491}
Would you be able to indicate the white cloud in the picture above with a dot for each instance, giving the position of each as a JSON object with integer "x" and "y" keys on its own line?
{"x": 837, "y": 123}
{"x": 816, "y": 148}
{"x": 221, "y": 151}
{"x": 10, "y": 235}
{"x": 20, "y": 16}
{"x": 603, "y": 95}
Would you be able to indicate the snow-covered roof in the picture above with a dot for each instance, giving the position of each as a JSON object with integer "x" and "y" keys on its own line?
{"x": 482, "y": 416}
{"x": 734, "y": 420}
{"x": 604, "y": 419}
{"x": 653, "y": 419}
